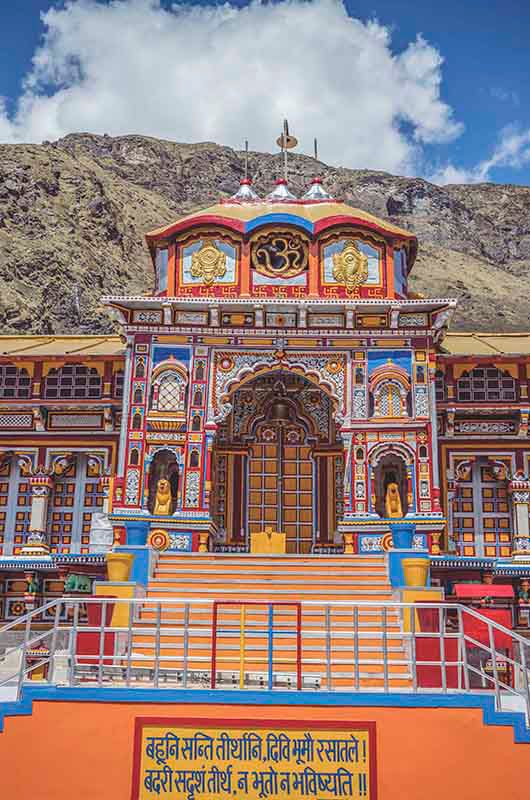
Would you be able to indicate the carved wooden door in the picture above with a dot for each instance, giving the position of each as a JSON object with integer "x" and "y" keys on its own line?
{"x": 281, "y": 479}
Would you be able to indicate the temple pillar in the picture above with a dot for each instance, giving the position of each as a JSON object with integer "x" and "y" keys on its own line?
{"x": 519, "y": 489}
{"x": 41, "y": 483}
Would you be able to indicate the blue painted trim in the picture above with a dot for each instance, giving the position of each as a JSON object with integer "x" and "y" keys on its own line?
{"x": 490, "y": 716}
{"x": 275, "y": 219}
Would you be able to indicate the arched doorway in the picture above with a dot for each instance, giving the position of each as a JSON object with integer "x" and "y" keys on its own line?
{"x": 278, "y": 462}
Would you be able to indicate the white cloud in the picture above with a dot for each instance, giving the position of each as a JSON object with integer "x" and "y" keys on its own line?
{"x": 512, "y": 150}
{"x": 221, "y": 73}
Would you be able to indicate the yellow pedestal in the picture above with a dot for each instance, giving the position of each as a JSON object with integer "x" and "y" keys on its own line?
{"x": 427, "y": 595}
{"x": 415, "y": 571}
{"x": 120, "y": 614}
{"x": 268, "y": 541}
{"x": 119, "y": 566}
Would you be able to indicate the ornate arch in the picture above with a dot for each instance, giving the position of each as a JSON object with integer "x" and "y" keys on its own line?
{"x": 233, "y": 370}
{"x": 399, "y": 449}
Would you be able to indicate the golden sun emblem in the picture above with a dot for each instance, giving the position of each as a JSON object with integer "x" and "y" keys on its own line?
{"x": 350, "y": 266}
{"x": 208, "y": 263}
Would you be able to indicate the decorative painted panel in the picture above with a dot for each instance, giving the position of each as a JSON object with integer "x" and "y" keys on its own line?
{"x": 342, "y": 264}
{"x": 208, "y": 261}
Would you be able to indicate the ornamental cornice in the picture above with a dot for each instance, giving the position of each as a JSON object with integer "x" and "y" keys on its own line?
{"x": 139, "y": 301}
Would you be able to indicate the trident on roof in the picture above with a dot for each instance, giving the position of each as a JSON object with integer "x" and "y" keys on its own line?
{"x": 286, "y": 142}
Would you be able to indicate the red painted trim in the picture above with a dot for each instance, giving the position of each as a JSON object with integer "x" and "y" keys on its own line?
{"x": 282, "y": 724}
{"x": 240, "y": 225}
{"x": 188, "y": 224}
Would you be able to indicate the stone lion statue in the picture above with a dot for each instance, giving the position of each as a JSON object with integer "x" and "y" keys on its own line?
{"x": 163, "y": 499}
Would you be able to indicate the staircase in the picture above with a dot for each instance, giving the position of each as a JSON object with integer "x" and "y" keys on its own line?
{"x": 340, "y": 646}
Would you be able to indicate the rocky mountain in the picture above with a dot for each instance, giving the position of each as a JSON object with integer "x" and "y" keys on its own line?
{"x": 73, "y": 214}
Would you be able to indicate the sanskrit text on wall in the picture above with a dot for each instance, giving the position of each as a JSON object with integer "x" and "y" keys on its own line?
{"x": 174, "y": 760}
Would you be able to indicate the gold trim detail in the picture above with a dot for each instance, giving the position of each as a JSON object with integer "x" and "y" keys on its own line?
{"x": 350, "y": 266}
{"x": 208, "y": 263}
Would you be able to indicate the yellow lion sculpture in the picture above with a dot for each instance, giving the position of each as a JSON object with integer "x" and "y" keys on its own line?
{"x": 163, "y": 499}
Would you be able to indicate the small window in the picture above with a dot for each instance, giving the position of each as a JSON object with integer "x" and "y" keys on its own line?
{"x": 14, "y": 382}
{"x": 486, "y": 385}
{"x": 72, "y": 382}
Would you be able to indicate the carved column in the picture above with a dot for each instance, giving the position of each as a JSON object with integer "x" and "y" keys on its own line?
{"x": 519, "y": 488}
{"x": 41, "y": 483}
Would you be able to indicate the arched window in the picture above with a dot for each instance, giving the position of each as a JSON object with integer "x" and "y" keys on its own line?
{"x": 72, "y": 381}
{"x": 170, "y": 392}
{"x": 486, "y": 385}
{"x": 194, "y": 458}
{"x": 440, "y": 386}
{"x": 138, "y": 396}
{"x": 137, "y": 422}
{"x": 197, "y": 397}
{"x": 390, "y": 400}
{"x": 134, "y": 458}
{"x": 196, "y": 423}
{"x": 14, "y": 382}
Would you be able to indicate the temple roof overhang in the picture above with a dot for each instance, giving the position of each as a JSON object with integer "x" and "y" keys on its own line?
{"x": 486, "y": 344}
{"x": 61, "y": 346}
{"x": 312, "y": 216}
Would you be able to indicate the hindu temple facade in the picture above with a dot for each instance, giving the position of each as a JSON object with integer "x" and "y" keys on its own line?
{"x": 280, "y": 378}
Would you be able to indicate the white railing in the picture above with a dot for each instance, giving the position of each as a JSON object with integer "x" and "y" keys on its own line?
{"x": 167, "y": 643}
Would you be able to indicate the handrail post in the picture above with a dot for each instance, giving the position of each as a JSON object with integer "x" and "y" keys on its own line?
{"x": 101, "y": 641}
{"x": 186, "y": 645}
{"x": 464, "y": 647}
{"x": 270, "y": 664}
{"x": 242, "y": 623}
{"x": 53, "y": 645}
{"x": 526, "y": 685}
{"x": 494, "y": 666}
{"x": 129, "y": 645}
{"x": 213, "y": 665}
{"x": 356, "y": 653}
{"x": 329, "y": 677}
{"x": 22, "y": 671}
{"x": 385, "y": 649}
{"x": 157, "y": 645}
{"x": 73, "y": 645}
{"x": 413, "y": 649}
{"x": 441, "y": 632}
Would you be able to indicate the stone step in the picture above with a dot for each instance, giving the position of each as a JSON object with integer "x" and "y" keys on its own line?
{"x": 271, "y": 580}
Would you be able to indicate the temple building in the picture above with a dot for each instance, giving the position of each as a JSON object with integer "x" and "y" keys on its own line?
{"x": 281, "y": 378}
{"x": 272, "y": 540}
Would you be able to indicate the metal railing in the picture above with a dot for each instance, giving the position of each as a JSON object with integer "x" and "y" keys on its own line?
{"x": 310, "y": 645}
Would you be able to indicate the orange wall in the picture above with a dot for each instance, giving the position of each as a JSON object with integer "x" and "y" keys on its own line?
{"x": 84, "y": 750}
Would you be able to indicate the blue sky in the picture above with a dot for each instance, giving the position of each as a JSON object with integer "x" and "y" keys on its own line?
{"x": 470, "y": 116}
